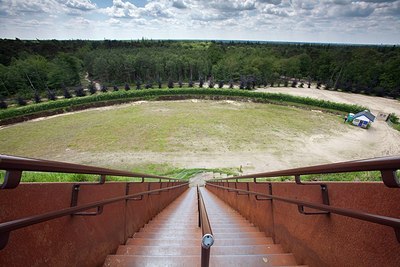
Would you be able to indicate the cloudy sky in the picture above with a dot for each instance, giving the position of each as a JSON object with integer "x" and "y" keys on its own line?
{"x": 339, "y": 21}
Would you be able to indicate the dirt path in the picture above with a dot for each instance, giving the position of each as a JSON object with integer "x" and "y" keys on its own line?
{"x": 376, "y": 104}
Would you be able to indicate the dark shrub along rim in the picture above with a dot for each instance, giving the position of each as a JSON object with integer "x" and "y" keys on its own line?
{"x": 18, "y": 114}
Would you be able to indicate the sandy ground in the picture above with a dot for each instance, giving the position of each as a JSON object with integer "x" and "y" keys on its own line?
{"x": 357, "y": 143}
{"x": 376, "y": 104}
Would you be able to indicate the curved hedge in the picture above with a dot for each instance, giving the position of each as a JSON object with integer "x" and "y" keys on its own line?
{"x": 154, "y": 93}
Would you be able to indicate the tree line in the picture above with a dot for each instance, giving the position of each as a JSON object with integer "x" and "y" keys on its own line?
{"x": 35, "y": 69}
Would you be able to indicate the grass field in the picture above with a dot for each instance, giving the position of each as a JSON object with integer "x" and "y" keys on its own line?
{"x": 156, "y": 137}
{"x": 164, "y": 126}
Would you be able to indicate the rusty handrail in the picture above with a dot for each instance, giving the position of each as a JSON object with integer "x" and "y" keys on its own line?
{"x": 386, "y": 165}
{"x": 364, "y": 216}
{"x": 7, "y": 227}
{"x": 14, "y": 167}
{"x": 207, "y": 236}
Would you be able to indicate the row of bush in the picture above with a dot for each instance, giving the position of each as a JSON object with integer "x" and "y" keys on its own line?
{"x": 155, "y": 93}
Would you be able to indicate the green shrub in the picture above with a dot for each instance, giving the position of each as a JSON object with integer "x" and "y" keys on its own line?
{"x": 393, "y": 118}
{"x": 3, "y": 104}
{"x": 154, "y": 93}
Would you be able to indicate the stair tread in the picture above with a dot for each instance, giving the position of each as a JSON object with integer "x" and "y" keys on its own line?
{"x": 286, "y": 259}
{"x": 195, "y": 250}
{"x": 173, "y": 238}
{"x": 219, "y": 242}
{"x": 183, "y": 235}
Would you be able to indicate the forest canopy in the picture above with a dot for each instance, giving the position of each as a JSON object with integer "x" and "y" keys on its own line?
{"x": 37, "y": 67}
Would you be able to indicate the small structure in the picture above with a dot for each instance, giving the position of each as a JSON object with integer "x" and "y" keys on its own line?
{"x": 362, "y": 119}
{"x": 382, "y": 116}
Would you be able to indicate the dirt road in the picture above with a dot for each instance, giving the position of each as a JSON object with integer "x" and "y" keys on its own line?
{"x": 376, "y": 104}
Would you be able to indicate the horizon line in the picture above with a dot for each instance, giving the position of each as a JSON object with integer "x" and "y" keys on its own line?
{"x": 213, "y": 40}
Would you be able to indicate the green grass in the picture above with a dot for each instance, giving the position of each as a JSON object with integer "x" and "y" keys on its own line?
{"x": 396, "y": 126}
{"x": 173, "y": 127}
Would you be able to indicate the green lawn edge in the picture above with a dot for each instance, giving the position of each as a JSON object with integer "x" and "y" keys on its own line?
{"x": 154, "y": 94}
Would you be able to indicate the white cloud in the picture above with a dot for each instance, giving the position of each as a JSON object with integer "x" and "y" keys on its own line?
{"x": 267, "y": 19}
{"x": 113, "y": 21}
{"x": 179, "y": 4}
{"x": 79, "y": 4}
{"x": 121, "y": 8}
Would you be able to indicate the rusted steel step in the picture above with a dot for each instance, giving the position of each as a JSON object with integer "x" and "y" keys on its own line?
{"x": 188, "y": 242}
{"x": 173, "y": 238}
{"x": 216, "y": 260}
{"x": 178, "y": 224}
{"x": 166, "y": 230}
{"x": 188, "y": 235}
{"x": 244, "y": 229}
{"x": 194, "y": 250}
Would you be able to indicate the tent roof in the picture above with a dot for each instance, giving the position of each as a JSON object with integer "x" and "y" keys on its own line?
{"x": 365, "y": 113}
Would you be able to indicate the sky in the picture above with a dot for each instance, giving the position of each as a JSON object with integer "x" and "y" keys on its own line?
{"x": 325, "y": 21}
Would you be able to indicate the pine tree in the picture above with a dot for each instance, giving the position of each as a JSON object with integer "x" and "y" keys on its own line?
{"x": 21, "y": 101}
{"x": 51, "y": 95}
{"x": 231, "y": 84}
{"x": 201, "y": 82}
{"x": 170, "y": 84}
{"x": 37, "y": 98}
{"x": 138, "y": 84}
{"x": 3, "y": 104}
{"x": 79, "y": 91}
{"x": 92, "y": 89}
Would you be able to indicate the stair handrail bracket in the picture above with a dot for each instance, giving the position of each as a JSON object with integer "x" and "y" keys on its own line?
{"x": 17, "y": 165}
{"x": 207, "y": 235}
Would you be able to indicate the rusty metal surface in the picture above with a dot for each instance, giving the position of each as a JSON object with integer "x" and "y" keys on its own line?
{"x": 74, "y": 240}
{"x": 172, "y": 238}
{"x": 207, "y": 234}
{"x": 357, "y": 214}
{"x": 325, "y": 240}
{"x": 263, "y": 260}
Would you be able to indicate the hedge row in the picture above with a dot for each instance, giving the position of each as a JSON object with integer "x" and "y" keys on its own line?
{"x": 154, "y": 93}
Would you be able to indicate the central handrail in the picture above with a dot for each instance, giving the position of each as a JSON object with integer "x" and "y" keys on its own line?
{"x": 207, "y": 236}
